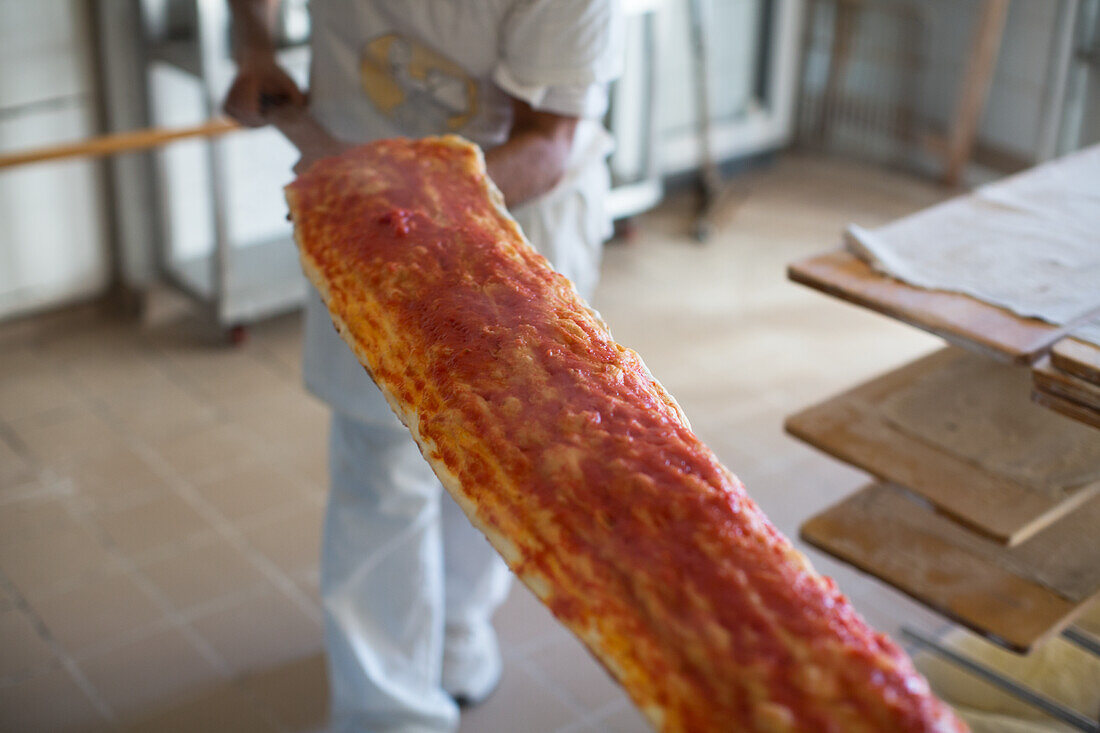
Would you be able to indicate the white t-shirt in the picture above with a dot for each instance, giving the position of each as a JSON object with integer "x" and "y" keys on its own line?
{"x": 387, "y": 68}
{"x": 383, "y": 68}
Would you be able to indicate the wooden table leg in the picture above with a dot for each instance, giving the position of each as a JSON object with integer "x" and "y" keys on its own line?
{"x": 984, "y": 46}
{"x": 844, "y": 26}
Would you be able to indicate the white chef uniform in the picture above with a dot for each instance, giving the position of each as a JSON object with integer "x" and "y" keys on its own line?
{"x": 402, "y": 569}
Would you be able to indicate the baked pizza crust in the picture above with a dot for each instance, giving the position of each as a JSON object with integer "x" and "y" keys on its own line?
{"x": 577, "y": 465}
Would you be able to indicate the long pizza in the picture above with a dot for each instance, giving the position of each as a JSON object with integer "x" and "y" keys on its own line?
{"x": 576, "y": 463}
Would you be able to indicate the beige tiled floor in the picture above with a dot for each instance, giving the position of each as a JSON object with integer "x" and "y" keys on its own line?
{"x": 161, "y": 494}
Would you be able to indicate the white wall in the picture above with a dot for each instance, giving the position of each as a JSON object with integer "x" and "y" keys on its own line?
{"x": 734, "y": 46}
{"x": 742, "y": 123}
{"x": 52, "y": 231}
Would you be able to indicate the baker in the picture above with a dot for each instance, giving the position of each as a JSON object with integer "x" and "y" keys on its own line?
{"x": 407, "y": 584}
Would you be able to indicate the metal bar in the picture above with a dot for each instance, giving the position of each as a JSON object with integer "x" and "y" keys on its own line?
{"x": 1058, "y": 73}
{"x": 1026, "y": 694}
{"x": 214, "y": 53}
{"x": 1085, "y": 641}
{"x": 700, "y": 47}
{"x": 652, "y": 165}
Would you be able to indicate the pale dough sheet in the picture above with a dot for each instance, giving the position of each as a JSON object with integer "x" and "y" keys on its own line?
{"x": 1057, "y": 669}
{"x": 1029, "y": 243}
{"x": 980, "y": 411}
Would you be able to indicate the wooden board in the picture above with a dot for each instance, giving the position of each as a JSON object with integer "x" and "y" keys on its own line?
{"x": 852, "y": 427}
{"x": 885, "y": 531}
{"x": 1078, "y": 358}
{"x": 960, "y": 319}
{"x": 1050, "y": 379}
{"x": 1070, "y": 408}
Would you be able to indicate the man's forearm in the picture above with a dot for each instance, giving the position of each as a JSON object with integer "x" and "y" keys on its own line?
{"x": 252, "y": 24}
{"x": 530, "y": 163}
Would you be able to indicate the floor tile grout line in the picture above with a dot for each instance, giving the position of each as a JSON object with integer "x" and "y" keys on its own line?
{"x": 168, "y": 610}
{"x": 165, "y": 622}
{"x": 275, "y": 514}
{"x": 270, "y": 357}
{"x": 547, "y": 639}
{"x": 220, "y": 526}
{"x": 235, "y": 537}
{"x": 207, "y": 651}
{"x": 263, "y": 459}
{"x": 66, "y": 661}
{"x": 177, "y": 372}
{"x": 608, "y": 709}
{"x": 89, "y": 690}
{"x": 580, "y": 726}
{"x": 98, "y": 406}
{"x": 195, "y": 541}
{"x": 10, "y": 436}
{"x": 181, "y": 622}
{"x": 184, "y": 617}
{"x": 45, "y": 489}
{"x": 209, "y": 535}
{"x": 121, "y": 564}
{"x": 161, "y": 363}
{"x": 130, "y": 636}
{"x": 555, "y": 689}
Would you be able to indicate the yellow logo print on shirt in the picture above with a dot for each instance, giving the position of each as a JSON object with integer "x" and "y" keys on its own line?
{"x": 416, "y": 86}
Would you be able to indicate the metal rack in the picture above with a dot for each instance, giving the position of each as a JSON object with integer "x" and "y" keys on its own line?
{"x": 239, "y": 280}
{"x": 637, "y": 188}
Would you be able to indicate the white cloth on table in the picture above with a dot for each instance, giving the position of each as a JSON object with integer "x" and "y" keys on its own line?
{"x": 1029, "y": 243}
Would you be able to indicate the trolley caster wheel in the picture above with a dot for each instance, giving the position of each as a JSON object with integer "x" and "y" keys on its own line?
{"x": 237, "y": 335}
{"x": 626, "y": 231}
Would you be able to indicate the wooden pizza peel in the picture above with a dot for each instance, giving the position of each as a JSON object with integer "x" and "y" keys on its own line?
{"x": 1067, "y": 380}
{"x": 859, "y": 427}
{"x": 959, "y": 319}
{"x": 1014, "y": 596}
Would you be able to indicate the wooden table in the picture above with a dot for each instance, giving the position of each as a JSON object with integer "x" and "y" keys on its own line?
{"x": 958, "y": 319}
{"x": 959, "y": 539}
{"x": 1068, "y": 382}
{"x": 991, "y": 589}
{"x": 856, "y": 428}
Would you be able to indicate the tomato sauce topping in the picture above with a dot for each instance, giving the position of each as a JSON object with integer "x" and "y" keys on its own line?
{"x": 507, "y": 355}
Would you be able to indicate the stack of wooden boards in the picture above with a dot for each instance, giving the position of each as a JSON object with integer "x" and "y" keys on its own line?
{"x": 987, "y": 505}
{"x": 1068, "y": 380}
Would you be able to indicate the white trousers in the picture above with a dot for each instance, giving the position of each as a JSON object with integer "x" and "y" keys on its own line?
{"x": 400, "y": 560}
